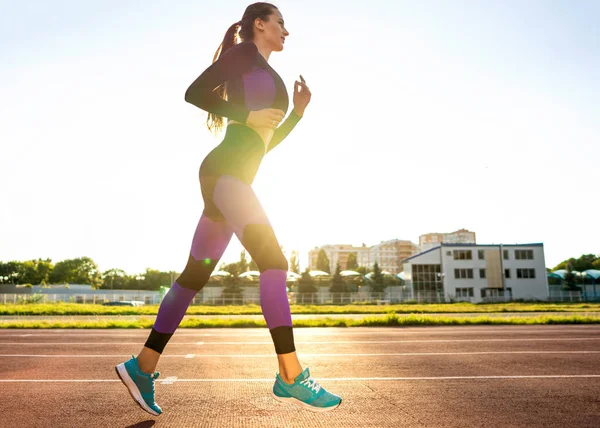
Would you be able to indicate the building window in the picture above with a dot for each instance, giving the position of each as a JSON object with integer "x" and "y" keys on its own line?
{"x": 464, "y": 292}
{"x": 480, "y": 255}
{"x": 427, "y": 280}
{"x": 463, "y": 273}
{"x": 482, "y": 273}
{"x": 526, "y": 273}
{"x": 506, "y": 273}
{"x": 505, "y": 254}
{"x": 463, "y": 255}
{"x": 524, "y": 254}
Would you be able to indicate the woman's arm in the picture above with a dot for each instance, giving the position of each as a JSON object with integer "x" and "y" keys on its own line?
{"x": 284, "y": 129}
{"x": 301, "y": 99}
{"x": 232, "y": 63}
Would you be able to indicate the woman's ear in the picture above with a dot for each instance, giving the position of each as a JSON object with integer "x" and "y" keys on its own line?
{"x": 259, "y": 24}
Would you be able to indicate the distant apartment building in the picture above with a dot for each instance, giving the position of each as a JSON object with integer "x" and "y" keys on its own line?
{"x": 430, "y": 240}
{"x": 336, "y": 254}
{"x": 478, "y": 272}
{"x": 387, "y": 254}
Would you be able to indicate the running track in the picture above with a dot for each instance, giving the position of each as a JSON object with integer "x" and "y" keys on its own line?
{"x": 480, "y": 376}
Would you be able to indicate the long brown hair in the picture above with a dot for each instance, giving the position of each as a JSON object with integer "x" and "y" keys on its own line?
{"x": 239, "y": 32}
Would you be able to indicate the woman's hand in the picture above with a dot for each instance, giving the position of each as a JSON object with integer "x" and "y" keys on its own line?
{"x": 265, "y": 118}
{"x": 301, "y": 98}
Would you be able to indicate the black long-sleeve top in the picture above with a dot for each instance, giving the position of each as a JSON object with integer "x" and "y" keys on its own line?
{"x": 251, "y": 84}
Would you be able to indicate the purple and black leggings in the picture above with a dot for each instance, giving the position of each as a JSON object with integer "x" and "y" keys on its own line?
{"x": 231, "y": 206}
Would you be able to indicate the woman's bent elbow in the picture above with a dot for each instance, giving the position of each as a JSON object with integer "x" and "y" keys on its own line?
{"x": 188, "y": 97}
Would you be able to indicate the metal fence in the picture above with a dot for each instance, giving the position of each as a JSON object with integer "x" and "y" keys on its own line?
{"x": 151, "y": 298}
{"x": 318, "y": 298}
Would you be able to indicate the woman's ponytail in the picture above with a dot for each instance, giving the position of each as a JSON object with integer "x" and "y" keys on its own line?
{"x": 215, "y": 122}
{"x": 240, "y": 31}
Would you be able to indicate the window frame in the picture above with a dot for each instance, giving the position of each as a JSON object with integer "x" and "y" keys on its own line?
{"x": 462, "y": 254}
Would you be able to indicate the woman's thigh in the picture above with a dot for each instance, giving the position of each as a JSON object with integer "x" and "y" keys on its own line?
{"x": 240, "y": 207}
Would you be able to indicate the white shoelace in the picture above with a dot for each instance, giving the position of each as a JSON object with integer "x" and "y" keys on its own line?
{"x": 312, "y": 384}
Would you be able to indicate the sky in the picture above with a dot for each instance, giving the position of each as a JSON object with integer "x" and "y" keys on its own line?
{"x": 425, "y": 116}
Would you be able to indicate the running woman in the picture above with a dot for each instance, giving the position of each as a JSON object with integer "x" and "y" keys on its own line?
{"x": 241, "y": 86}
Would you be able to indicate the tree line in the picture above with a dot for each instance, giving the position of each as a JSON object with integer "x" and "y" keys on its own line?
{"x": 584, "y": 262}
{"x": 84, "y": 270}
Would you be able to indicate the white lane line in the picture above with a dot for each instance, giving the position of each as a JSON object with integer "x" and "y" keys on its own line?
{"x": 168, "y": 380}
{"x": 403, "y": 354}
{"x": 300, "y": 332}
{"x": 335, "y": 342}
{"x": 332, "y": 379}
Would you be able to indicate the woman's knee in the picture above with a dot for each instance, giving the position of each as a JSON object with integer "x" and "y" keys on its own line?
{"x": 196, "y": 273}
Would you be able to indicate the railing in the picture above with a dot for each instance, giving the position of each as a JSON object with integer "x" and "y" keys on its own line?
{"x": 318, "y": 298}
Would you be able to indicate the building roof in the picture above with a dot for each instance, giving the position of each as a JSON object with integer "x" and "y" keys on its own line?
{"x": 447, "y": 244}
{"x": 594, "y": 273}
{"x": 420, "y": 254}
{"x": 560, "y": 273}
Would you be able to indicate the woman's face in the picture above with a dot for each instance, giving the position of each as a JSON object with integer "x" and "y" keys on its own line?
{"x": 274, "y": 31}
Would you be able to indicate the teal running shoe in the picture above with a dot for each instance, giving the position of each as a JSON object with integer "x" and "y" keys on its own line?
{"x": 139, "y": 384}
{"x": 305, "y": 392}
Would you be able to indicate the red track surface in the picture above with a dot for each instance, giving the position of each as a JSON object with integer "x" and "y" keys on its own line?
{"x": 501, "y": 376}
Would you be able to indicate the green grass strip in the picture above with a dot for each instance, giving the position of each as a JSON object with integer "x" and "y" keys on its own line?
{"x": 253, "y": 309}
{"x": 391, "y": 320}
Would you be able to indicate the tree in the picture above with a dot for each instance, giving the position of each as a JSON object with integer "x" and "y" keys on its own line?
{"x": 152, "y": 279}
{"x": 377, "y": 279}
{"x": 241, "y": 266}
{"x": 323, "y": 261}
{"x": 338, "y": 285}
{"x": 294, "y": 265}
{"x": 115, "y": 279}
{"x": 232, "y": 268}
{"x": 35, "y": 271}
{"x": 82, "y": 270}
{"x": 243, "y": 263}
{"x": 11, "y": 271}
{"x": 570, "y": 278}
{"x": 584, "y": 262}
{"x": 361, "y": 269}
{"x": 232, "y": 289}
{"x": 352, "y": 262}
{"x": 306, "y": 284}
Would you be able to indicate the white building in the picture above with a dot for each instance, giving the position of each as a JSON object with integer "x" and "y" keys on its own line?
{"x": 478, "y": 273}
{"x": 462, "y": 236}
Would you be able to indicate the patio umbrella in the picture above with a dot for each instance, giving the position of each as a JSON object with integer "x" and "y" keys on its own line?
{"x": 249, "y": 274}
{"x": 220, "y": 273}
{"x": 318, "y": 273}
{"x": 350, "y": 273}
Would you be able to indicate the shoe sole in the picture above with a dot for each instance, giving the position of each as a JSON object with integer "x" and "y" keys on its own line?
{"x": 302, "y": 404}
{"x": 133, "y": 389}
